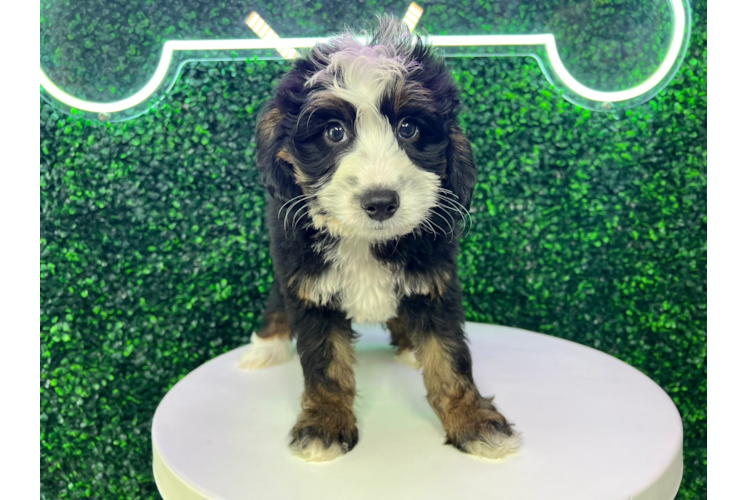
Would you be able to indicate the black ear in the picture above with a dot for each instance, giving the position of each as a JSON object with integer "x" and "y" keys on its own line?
{"x": 277, "y": 173}
{"x": 461, "y": 171}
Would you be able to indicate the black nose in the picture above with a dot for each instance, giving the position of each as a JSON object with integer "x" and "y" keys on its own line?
{"x": 380, "y": 205}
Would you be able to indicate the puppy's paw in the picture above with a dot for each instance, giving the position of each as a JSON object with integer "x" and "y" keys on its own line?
{"x": 266, "y": 352}
{"x": 489, "y": 439}
{"x": 475, "y": 426}
{"x": 314, "y": 449}
{"x": 494, "y": 442}
{"x": 408, "y": 357}
{"x": 319, "y": 439}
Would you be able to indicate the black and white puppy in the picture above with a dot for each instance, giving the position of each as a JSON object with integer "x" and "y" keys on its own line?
{"x": 368, "y": 173}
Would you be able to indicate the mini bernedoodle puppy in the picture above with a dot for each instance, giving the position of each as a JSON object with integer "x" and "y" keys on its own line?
{"x": 368, "y": 173}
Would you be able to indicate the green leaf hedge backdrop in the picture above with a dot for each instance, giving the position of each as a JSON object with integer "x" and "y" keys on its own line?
{"x": 154, "y": 257}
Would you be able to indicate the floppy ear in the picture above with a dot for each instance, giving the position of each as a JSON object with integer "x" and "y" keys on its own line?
{"x": 277, "y": 174}
{"x": 461, "y": 171}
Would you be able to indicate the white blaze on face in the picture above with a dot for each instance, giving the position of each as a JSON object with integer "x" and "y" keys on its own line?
{"x": 374, "y": 159}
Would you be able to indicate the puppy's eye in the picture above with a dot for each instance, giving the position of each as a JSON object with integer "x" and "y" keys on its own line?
{"x": 336, "y": 132}
{"x": 407, "y": 129}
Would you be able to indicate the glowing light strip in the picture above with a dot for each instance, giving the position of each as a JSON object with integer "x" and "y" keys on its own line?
{"x": 264, "y": 31}
{"x": 546, "y": 40}
{"x": 412, "y": 16}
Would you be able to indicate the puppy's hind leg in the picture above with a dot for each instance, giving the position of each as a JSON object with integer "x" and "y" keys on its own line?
{"x": 400, "y": 339}
{"x": 271, "y": 345}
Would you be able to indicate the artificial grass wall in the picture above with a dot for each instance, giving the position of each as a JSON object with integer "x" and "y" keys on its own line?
{"x": 154, "y": 255}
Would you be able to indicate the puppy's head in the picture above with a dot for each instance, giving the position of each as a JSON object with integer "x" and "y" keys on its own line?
{"x": 363, "y": 137}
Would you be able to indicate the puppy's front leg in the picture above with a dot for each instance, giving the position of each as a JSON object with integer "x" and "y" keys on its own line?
{"x": 471, "y": 421}
{"x": 326, "y": 427}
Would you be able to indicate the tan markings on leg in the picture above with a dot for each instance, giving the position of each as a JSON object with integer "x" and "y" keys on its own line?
{"x": 327, "y": 412}
{"x": 441, "y": 283}
{"x": 277, "y": 326}
{"x": 302, "y": 287}
{"x": 432, "y": 285}
{"x": 444, "y": 386}
{"x": 341, "y": 367}
{"x": 404, "y": 353}
{"x": 471, "y": 421}
{"x": 331, "y": 410}
{"x": 400, "y": 338}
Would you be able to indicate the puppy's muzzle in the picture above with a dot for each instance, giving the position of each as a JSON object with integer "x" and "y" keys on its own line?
{"x": 380, "y": 205}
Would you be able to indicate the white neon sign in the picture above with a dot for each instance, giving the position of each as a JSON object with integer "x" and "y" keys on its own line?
{"x": 548, "y": 41}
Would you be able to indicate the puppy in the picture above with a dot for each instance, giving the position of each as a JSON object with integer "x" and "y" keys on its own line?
{"x": 368, "y": 173}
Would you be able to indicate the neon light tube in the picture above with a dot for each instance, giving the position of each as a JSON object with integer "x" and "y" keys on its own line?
{"x": 548, "y": 41}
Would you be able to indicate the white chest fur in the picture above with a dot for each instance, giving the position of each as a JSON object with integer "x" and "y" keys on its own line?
{"x": 366, "y": 288}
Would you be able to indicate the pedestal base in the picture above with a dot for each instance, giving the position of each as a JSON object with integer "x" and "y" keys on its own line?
{"x": 593, "y": 428}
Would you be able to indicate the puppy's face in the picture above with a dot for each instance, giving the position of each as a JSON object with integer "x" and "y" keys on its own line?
{"x": 363, "y": 138}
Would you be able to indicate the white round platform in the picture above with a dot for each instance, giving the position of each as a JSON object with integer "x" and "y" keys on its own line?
{"x": 593, "y": 428}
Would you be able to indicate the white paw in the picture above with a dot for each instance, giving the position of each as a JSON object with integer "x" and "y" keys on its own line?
{"x": 494, "y": 445}
{"x": 408, "y": 357}
{"x": 313, "y": 450}
{"x": 266, "y": 352}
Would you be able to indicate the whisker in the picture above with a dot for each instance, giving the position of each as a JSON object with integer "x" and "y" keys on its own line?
{"x": 453, "y": 203}
{"x": 292, "y": 200}
{"x": 451, "y": 206}
{"x": 286, "y": 203}
{"x": 303, "y": 210}
{"x": 447, "y": 211}
{"x": 469, "y": 223}
{"x": 288, "y": 210}
{"x": 429, "y": 227}
{"x": 455, "y": 209}
{"x": 447, "y": 191}
{"x": 451, "y": 200}
{"x": 470, "y": 219}
{"x": 451, "y": 229}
